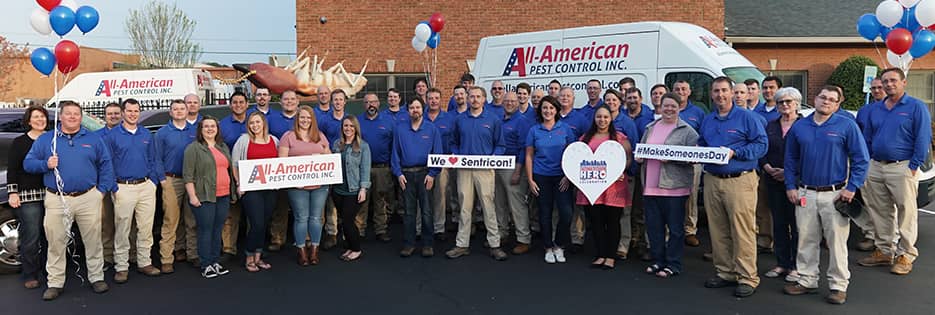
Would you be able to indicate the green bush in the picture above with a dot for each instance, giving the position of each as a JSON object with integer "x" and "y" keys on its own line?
{"x": 850, "y": 74}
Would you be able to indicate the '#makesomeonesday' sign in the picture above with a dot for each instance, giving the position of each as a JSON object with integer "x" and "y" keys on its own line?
{"x": 472, "y": 161}
{"x": 682, "y": 153}
{"x": 290, "y": 172}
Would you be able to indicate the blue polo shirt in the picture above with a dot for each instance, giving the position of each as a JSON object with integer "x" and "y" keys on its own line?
{"x": 514, "y": 130}
{"x": 378, "y": 132}
{"x": 102, "y": 132}
{"x": 279, "y": 123}
{"x": 411, "y": 148}
{"x": 769, "y": 115}
{"x": 330, "y": 126}
{"x": 497, "y": 110}
{"x": 588, "y": 111}
{"x": 445, "y": 122}
{"x": 170, "y": 146}
{"x": 478, "y": 135}
{"x": 740, "y": 131}
{"x": 692, "y": 115}
{"x": 530, "y": 113}
{"x": 759, "y": 117}
{"x": 549, "y": 145}
{"x": 862, "y": 116}
{"x": 319, "y": 114}
{"x": 901, "y": 133}
{"x": 270, "y": 112}
{"x": 400, "y": 116}
{"x": 134, "y": 154}
{"x": 646, "y": 116}
{"x": 824, "y": 155}
{"x": 231, "y": 129}
{"x": 197, "y": 119}
{"x": 83, "y": 161}
{"x": 846, "y": 114}
{"x": 624, "y": 124}
{"x": 577, "y": 122}
{"x": 452, "y": 105}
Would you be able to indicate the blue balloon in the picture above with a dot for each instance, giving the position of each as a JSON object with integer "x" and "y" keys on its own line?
{"x": 86, "y": 18}
{"x": 433, "y": 40}
{"x": 884, "y": 31}
{"x": 43, "y": 60}
{"x": 868, "y": 27}
{"x": 910, "y": 20}
{"x": 922, "y": 43}
{"x": 62, "y": 20}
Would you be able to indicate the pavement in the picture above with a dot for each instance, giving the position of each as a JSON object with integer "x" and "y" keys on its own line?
{"x": 383, "y": 283}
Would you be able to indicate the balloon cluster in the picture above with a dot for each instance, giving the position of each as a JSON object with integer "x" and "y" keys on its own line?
{"x": 905, "y": 26}
{"x": 60, "y": 16}
{"x": 428, "y": 33}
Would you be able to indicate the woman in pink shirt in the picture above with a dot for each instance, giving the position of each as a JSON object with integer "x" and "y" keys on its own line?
{"x": 604, "y": 214}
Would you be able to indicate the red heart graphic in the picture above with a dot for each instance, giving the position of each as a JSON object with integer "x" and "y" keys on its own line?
{"x": 453, "y": 160}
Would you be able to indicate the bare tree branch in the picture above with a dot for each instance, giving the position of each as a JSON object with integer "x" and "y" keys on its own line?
{"x": 161, "y": 34}
{"x": 11, "y": 56}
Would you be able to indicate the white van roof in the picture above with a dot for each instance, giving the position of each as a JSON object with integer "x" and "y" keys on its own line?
{"x": 163, "y": 84}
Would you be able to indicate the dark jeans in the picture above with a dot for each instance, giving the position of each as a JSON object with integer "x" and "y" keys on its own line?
{"x": 210, "y": 218}
{"x": 550, "y": 198}
{"x": 785, "y": 233}
{"x": 348, "y": 207}
{"x": 32, "y": 243}
{"x": 258, "y": 207}
{"x": 605, "y": 228}
{"x": 416, "y": 196}
{"x": 662, "y": 212}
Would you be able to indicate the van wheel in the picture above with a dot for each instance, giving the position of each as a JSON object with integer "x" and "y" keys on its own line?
{"x": 9, "y": 242}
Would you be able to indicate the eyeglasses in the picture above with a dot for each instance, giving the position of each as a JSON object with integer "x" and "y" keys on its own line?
{"x": 787, "y": 102}
{"x": 497, "y": 88}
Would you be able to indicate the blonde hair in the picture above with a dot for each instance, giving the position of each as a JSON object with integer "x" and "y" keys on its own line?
{"x": 313, "y": 134}
{"x": 356, "y": 141}
{"x": 264, "y": 132}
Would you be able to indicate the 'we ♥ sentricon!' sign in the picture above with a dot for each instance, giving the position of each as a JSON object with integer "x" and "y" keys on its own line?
{"x": 472, "y": 161}
{"x": 594, "y": 172}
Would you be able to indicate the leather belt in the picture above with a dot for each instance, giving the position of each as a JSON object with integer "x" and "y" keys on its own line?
{"x": 379, "y": 165}
{"x": 729, "y": 175}
{"x": 70, "y": 194}
{"x": 889, "y": 161}
{"x": 131, "y": 181}
{"x": 173, "y": 175}
{"x": 415, "y": 169}
{"x": 823, "y": 188}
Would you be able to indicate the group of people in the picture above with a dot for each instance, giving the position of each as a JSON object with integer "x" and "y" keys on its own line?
{"x": 801, "y": 168}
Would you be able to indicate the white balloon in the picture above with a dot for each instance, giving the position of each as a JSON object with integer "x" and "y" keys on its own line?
{"x": 418, "y": 45}
{"x": 925, "y": 12}
{"x": 889, "y": 13}
{"x": 423, "y": 32}
{"x": 899, "y": 61}
{"x": 39, "y": 19}
{"x": 70, "y": 4}
{"x": 908, "y": 3}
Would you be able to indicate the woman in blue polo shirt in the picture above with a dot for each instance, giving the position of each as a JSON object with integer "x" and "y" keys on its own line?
{"x": 545, "y": 144}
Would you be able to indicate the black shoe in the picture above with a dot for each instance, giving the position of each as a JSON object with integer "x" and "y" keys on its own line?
{"x": 228, "y": 257}
{"x": 718, "y": 282}
{"x": 744, "y": 290}
{"x": 441, "y": 237}
{"x": 384, "y": 237}
{"x": 575, "y": 248}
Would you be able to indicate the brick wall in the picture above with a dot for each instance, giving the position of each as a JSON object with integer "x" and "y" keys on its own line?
{"x": 381, "y": 30}
{"x": 28, "y": 83}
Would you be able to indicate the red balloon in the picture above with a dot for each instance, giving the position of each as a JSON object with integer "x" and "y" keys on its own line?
{"x": 899, "y": 41}
{"x": 67, "y": 55}
{"x": 437, "y": 22}
{"x": 48, "y": 5}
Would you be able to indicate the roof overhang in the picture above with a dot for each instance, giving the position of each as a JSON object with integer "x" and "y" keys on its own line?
{"x": 797, "y": 40}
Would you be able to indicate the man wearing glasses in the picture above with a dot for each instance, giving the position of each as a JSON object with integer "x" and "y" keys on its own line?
{"x": 378, "y": 130}
{"x": 594, "y": 99}
{"x": 496, "y": 93}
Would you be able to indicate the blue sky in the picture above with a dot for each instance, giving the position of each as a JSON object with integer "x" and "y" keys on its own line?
{"x": 224, "y": 27}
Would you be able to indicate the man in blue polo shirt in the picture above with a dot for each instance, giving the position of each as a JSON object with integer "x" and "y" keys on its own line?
{"x": 138, "y": 171}
{"x": 171, "y": 141}
{"x": 825, "y": 153}
{"x": 523, "y": 92}
{"x": 113, "y": 115}
{"x": 511, "y": 190}
{"x": 764, "y": 216}
{"x": 640, "y": 115}
{"x": 497, "y": 91}
{"x": 330, "y": 125}
{"x": 394, "y": 107}
{"x": 378, "y": 130}
{"x": 594, "y": 99}
{"x": 730, "y": 190}
{"x": 231, "y": 128}
{"x": 284, "y": 120}
{"x": 899, "y": 134}
{"x": 467, "y": 81}
{"x": 441, "y": 196}
{"x": 692, "y": 115}
{"x": 324, "y": 103}
{"x": 279, "y": 123}
{"x": 573, "y": 118}
{"x": 83, "y": 161}
{"x": 193, "y": 102}
{"x": 768, "y": 109}
{"x": 459, "y": 95}
{"x": 477, "y": 132}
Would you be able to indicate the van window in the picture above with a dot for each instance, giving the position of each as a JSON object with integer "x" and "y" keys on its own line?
{"x": 700, "y": 83}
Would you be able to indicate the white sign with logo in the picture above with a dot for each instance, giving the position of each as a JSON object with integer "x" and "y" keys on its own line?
{"x": 594, "y": 172}
{"x": 708, "y": 155}
{"x": 870, "y": 72}
{"x": 290, "y": 172}
{"x": 472, "y": 161}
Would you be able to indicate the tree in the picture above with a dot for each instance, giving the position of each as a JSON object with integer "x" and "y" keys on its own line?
{"x": 161, "y": 35}
{"x": 849, "y": 75}
{"x": 11, "y": 56}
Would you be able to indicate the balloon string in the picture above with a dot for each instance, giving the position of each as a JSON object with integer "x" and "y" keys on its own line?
{"x": 67, "y": 216}
{"x": 883, "y": 61}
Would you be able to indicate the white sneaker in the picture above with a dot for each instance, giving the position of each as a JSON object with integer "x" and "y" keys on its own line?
{"x": 559, "y": 254}
{"x": 209, "y": 272}
{"x": 793, "y": 276}
{"x": 549, "y": 256}
{"x": 220, "y": 269}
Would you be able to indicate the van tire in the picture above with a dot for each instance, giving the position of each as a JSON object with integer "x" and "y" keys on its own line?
{"x": 8, "y": 264}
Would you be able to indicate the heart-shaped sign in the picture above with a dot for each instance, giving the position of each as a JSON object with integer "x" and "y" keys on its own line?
{"x": 594, "y": 172}
{"x": 453, "y": 160}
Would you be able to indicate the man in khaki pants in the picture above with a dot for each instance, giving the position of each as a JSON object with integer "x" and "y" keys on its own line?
{"x": 511, "y": 189}
{"x": 84, "y": 164}
{"x": 112, "y": 117}
{"x": 730, "y": 190}
{"x": 898, "y": 132}
{"x": 171, "y": 141}
{"x": 137, "y": 171}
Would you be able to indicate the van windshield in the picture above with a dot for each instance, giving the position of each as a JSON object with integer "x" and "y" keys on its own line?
{"x": 740, "y": 74}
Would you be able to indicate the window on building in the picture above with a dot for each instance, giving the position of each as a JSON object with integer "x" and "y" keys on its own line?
{"x": 921, "y": 85}
{"x": 796, "y": 79}
{"x": 700, "y": 84}
{"x": 379, "y": 83}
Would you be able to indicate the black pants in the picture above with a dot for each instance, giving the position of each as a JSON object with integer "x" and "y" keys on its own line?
{"x": 605, "y": 228}
{"x": 348, "y": 208}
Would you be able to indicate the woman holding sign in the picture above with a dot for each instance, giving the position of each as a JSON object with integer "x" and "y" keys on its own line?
{"x": 604, "y": 214}
{"x": 307, "y": 202}
{"x": 258, "y": 205}
{"x": 667, "y": 185}
{"x": 545, "y": 144}
{"x": 355, "y": 159}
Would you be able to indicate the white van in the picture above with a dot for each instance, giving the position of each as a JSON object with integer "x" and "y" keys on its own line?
{"x": 649, "y": 52}
{"x": 153, "y": 88}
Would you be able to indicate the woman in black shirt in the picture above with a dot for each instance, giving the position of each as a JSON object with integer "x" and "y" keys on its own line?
{"x": 26, "y": 195}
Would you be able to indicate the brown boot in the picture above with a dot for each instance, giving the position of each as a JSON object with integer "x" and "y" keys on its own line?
{"x": 313, "y": 254}
{"x": 303, "y": 256}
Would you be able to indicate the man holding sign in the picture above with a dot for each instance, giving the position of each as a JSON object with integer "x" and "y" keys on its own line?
{"x": 731, "y": 189}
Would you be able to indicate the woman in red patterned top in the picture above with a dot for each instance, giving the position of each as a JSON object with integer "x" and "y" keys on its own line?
{"x": 258, "y": 205}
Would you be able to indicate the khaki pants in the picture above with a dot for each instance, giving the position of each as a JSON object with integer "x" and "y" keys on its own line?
{"x": 511, "y": 203}
{"x": 231, "y": 229}
{"x": 636, "y": 212}
{"x": 107, "y": 227}
{"x": 330, "y": 214}
{"x": 279, "y": 222}
{"x": 134, "y": 203}
{"x": 731, "y": 207}
{"x": 691, "y": 209}
{"x": 816, "y": 220}
{"x": 890, "y": 193}
{"x": 764, "y": 218}
{"x": 86, "y": 211}
{"x": 380, "y": 201}
{"x": 480, "y": 183}
{"x": 176, "y": 210}
{"x": 438, "y": 197}
{"x": 626, "y": 226}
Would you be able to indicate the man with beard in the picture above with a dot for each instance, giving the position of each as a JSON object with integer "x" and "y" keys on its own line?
{"x": 413, "y": 143}
{"x": 378, "y": 130}
{"x": 441, "y": 196}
